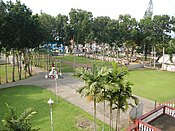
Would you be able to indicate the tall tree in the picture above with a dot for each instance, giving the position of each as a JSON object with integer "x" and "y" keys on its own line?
{"x": 2, "y": 20}
{"x": 61, "y": 22}
{"x": 48, "y": 24}
{"x": 80, "y": 22}
{"x": 147, "y": 32}
{"x": 121, "y": 92}
{"x": 21, "y": 31}
{"x": 93, "y": 79}
{"x": 128, "y": 33}
{"x": 100, "y": 29}
{"x": 162, "y": 30}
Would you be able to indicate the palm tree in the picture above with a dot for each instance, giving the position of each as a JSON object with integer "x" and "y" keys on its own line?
{"x": 107, "y": 94}
{"x": 22, "y": 123}
{"x": 93, "y": 79}
{"x": 121, "y": 92}
{"x": 111, "y": 98}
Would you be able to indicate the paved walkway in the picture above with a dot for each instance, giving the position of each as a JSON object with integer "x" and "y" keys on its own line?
{"x": 67, "y": 90}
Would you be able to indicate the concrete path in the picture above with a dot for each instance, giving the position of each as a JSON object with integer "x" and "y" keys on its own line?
{"x": 67, "y": 90}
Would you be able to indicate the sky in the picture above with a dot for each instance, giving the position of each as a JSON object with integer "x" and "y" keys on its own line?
{"x": 111, "y": 8}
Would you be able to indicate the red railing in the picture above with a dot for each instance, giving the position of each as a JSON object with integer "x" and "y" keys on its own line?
{"x": 170, "y": 104}
{"x": 146, "y": 127}
{"x": 169, "y": 111}
{"x": 141, "y": 124}
{"x": 152, "y": 114}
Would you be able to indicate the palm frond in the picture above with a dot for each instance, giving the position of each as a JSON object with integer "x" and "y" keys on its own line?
{"x": 26, "y": 114}
{"x": 11, "y": 112}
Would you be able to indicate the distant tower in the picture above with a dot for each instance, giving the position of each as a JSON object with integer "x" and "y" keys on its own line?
{"x": 149, "y": 10}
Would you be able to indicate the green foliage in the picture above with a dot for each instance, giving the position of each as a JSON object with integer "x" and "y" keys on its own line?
{"x": 100, "y": 29}
{"x": 80, "y": 23}
{"x": 93, "y": 79}
{"x": 103, "y": 83}
{"x": 22, "y": 123}
{"x": 20, "y": 28}
{"x": 120, "y": 92}
{"x": 171, "y": 50}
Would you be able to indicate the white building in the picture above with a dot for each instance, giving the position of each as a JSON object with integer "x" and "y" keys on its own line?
{"x": 167, "y": 64}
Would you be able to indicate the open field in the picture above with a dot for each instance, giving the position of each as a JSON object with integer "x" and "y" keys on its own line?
{"x": 71, "y": 61}
{"x": 65, "y": 115}
{"x": 153, "y": 84}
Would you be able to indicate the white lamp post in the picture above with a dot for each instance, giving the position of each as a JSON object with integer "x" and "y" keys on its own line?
{"x": 50, "y": 102}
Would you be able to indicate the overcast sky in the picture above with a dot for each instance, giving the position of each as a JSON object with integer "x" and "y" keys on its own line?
{"x": 111, "y": 8}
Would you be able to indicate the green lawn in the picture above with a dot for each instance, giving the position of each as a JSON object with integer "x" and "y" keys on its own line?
{"x": 65, "y": 115}
{"x": 83, "y": 60}
{"x": 153, "y": 84}
{"x": 9, "y": 72}
{"x": 68, "y": 63}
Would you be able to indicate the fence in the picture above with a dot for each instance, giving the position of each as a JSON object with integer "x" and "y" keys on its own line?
{"x": 141, "y": 124}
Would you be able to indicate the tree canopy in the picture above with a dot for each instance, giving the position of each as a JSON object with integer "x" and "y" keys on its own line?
{"x": 20, "y": 28}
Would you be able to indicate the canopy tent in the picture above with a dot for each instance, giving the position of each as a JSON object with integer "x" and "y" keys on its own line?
{"x": 167, "y": 64}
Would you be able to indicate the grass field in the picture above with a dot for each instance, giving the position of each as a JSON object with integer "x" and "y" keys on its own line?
{"x": 153, "y": 84}
{"x": 79, "y": 61}
{"x": 9, "y": 72}
{"x": 65, "y": 115}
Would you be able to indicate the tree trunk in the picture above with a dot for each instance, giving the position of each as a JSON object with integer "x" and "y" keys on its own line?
{"x": 110, "y": 121}
{"x": 13, "y": 71}
{"x": 0, "y": 74}
{"x": 0, "y": 68}
{"x": 146, "y": 52}
{"x": 39, "y": 59}
{"x": 31, "y": 63}
{"x": 118, "y": 120}
{"x": 104, "y": 111}
{"x": 132, "y": 54}
{"x": 28, "y": 65}
{"x": 18, "y": 65}
{"x": 6, "y": 72}
{"x": 25, "y": 66}
{"x": 94, "y": 113}
{"x": 127, "y": 56}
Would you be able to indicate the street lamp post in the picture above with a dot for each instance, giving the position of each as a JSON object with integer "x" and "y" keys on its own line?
{"x": 50, "y": 102}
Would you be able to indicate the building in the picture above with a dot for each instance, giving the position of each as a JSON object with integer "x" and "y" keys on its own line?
{"x": 167, "y": 64}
